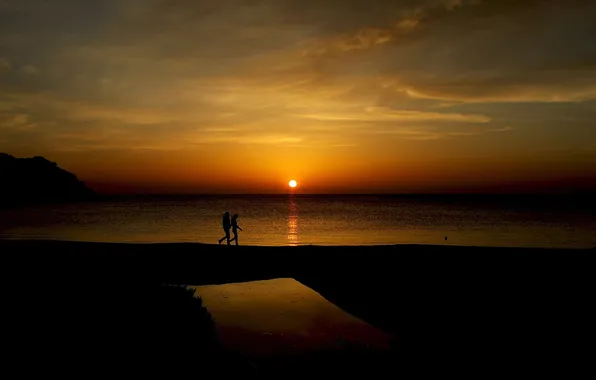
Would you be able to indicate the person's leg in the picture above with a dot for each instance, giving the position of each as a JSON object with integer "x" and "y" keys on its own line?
{"x": 236, "y": 237}
{"x": 228, "y": 236}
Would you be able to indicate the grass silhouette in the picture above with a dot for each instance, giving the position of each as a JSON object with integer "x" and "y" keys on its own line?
{"x": 85, "y": 329}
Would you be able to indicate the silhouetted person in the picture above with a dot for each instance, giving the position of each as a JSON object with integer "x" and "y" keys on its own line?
{"x": 225, "y": 222}
{"x": 235, "y": 228}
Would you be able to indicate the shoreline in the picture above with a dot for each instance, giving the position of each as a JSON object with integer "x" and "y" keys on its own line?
{"x": 205, "y": 264}
{"x": 11, "y": 240}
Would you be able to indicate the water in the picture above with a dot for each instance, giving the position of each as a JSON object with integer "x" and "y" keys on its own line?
{"x": 319, "y": 220}
{"x": 283, "y": 316}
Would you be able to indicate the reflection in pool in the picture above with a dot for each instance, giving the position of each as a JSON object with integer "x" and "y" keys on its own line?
{"x": 283, "y": 316}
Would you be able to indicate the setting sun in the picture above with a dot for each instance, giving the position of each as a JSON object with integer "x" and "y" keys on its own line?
{"x": 293, "y": 183}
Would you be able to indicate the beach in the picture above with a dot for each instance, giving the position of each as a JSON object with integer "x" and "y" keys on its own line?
{"x": 451, "y": 309}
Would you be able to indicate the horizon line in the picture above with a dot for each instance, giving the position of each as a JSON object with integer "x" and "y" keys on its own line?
{"x": 360, "y": 194}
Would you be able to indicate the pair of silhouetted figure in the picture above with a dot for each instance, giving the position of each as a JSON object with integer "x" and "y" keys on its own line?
{"x": 227, "y": 224}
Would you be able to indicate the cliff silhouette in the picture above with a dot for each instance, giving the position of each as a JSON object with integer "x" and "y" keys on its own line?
{"x": 36, "y": 179}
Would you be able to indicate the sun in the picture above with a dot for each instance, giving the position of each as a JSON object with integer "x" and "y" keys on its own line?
{"x": 293, "y": 183}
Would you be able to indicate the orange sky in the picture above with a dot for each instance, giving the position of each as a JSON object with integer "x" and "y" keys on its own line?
{"x": 172, "y": 96}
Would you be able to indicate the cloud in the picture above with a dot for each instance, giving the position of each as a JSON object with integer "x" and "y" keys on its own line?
{"x": 385, "y": 114}
{"x": 221, "y": 129}
{"x": 4, "y": 65}
{"x": 70, "y": 110}
{"x": 14, "y": 120}
{"x": 268, "y": 139}
{"x": 551, "y": 86}
{"x": 29, "y": 71}
{"x": 506, "y": 128}
{"x": 478, "y": 52}
{"x": 126, "y": 139}
{"x": 405, "y": 21}
{"x": 431, "y": 134}
{"x": 91, "y": 112}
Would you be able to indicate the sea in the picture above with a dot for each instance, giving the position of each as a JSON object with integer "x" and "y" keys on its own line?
{"x": 282, "y": 220}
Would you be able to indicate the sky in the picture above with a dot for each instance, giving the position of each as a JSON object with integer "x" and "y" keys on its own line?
{"x": 344, "y": 96}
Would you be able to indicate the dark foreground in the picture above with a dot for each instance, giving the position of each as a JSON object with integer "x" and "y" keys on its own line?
{"x": 453, "y": 310}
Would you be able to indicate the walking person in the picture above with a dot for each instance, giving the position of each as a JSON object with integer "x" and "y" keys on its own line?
{"x": 235, "y": 228}
{"x": 225, "y": 223}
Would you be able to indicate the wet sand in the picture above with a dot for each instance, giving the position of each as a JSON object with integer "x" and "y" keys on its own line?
{"x": 452, "y": 309}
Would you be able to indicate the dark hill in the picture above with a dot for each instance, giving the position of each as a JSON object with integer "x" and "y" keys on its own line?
{"x": 36, "y": 179}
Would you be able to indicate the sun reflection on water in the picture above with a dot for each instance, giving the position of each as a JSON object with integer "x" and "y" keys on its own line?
{"x": 292, "y": 235}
